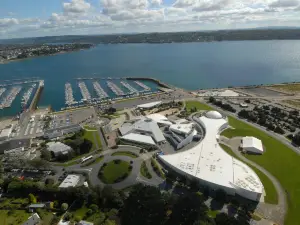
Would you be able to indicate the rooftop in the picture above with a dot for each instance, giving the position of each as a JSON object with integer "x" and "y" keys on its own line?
{"x": 139, "y": 138}
{"x": 58, "y": 147}
{"x": 70, "y": 181}
{"x": 209, "y": 162}
{"x": 158, "y": 118}
{"x": 252, "y": 142}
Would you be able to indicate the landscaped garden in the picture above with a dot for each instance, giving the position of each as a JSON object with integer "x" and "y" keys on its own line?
{"x": 114, "y": 171}
{"x": 191, "y": 105}
{"x": 157, "y": 168}
{"x": 278, "y": 159}
{"x": 144, "y": 171}
{"x": 13, "y": 216}
{"x": 93, "y": 136}
{"x": 125, "y": 153}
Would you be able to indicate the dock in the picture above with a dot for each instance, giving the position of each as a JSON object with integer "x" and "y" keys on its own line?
{"x": 27, "y": 96}
{"x": 86, "y": 96}
{"x": 99, "y": 90}
{"x": 129, "y": 87}
{"x": 8, "y": 100}
{"x": 36, "y": 98}
{"x": 115, "y": 88}
{"x": 2, "y": 90}
{"x": 146, "y": 88}
{"x": 69, "y": 95}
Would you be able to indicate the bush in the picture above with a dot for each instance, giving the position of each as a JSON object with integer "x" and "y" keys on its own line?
{"x": 89, "y": 212}
{"x": 64, "y": 207}
{"x": 32, "y": 198}
{"x": 94, "y": 208}
{"x": 68, "y": 216}
{"x": 117, "y": 161}
{"x": 77, "y": 218}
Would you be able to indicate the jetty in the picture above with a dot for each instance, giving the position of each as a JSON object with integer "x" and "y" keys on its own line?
{"x": 86, "y": 96}
{"x": 36, "y": 98}
{"x": 2, "y": 90}
{"x": 146, "y": 88}
{"x": 69, "y": 94}
{"x": 129, "y": 87}
{"x": 8, "y": 100}
{"x": 27, "y": 95}
{"x": 99, "y": 90}
{"x": 115, "y": 88}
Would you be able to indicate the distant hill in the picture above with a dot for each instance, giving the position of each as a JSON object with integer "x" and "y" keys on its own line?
{"x": 267, "y": 33}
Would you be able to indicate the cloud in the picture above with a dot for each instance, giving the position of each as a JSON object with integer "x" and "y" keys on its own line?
{"x": 211, "y": 5}
{"x": 156, "y": 2}
{"x": 284, "y": 3}
{"x": 183, "y": 3}
{"x": 7, "y": 22}
{"x": 76, "y": 6}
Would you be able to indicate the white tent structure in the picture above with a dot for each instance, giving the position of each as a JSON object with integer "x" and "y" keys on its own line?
{"x": 149, "y": 105}
{"x": 212, "y": 166}
{"x": 252, "y": 145}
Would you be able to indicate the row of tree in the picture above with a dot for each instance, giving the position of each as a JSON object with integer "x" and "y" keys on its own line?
{"x": 222, "y": 105}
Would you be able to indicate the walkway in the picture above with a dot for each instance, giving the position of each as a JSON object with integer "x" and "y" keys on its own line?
{"x": 275, "y": 213}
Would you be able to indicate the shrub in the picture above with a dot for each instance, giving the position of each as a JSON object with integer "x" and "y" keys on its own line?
{"x": 89, "y": 212}
{"x": 94, "y": 207}
{"x": 68, "y": 216}
{"x": 64, "y": 207}
{"x": 77, "y": 218}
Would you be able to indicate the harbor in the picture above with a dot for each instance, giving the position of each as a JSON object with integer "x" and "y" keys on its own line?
{"x": 99, "y": 90}
{"x": 69, "y": 95}
{"x": 146, "y": 88}
{"x": 8, "y": 100}
{"x": 115, "y": 88}
{"x": 27, "y": 96}
{"x": 129, "y": 87}
{"x": 86, "y": 96}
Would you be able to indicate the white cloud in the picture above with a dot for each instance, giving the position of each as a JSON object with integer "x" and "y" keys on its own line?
{"x": 76, "y": 6}
{"x": 211, "y": 5}
{"x": 7, "y": 22}
{"x": 284, "y": 3}
{"x": 156, "y": 2}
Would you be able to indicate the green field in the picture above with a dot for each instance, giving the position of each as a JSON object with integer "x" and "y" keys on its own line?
{"x": 13, "y": 217}
{"x": 112, "y": 171}
{"x": 144, "y": 171}
{"x": 288, "y": 87}
{"x": 93, "y": 136}
{"x": 279, "y": 160}
{"x": 198, "y": 105}
{"x": 124, "y": 153}
{"x": 271, "y": 194}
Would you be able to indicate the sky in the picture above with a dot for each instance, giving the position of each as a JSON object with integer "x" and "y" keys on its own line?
{"x": 31, "y": 18}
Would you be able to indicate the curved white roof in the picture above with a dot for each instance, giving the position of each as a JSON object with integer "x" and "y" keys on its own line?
{"x": 159, "y": 118}
{"x": 208, "y": 161}
{"x": 214, "y": 115}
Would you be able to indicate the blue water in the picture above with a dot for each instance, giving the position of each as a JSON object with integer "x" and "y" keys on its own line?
{"x": 188, "y": 65}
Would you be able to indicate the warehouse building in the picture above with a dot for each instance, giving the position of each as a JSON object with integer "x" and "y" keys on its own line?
{"x": 58, "y": 148}
{"x": 71, "y": 180}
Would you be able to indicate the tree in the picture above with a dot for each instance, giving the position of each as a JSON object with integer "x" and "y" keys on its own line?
{"x": 224, "y": 219}
{"x": 145, "y": 205}
{"x": 45, "y": 154}
{"x": 296, "y": 139}
{"x": 188, "y": 209}
{"x": 94, "y": 208}
{"x": 32, "y": 198}
{"x": 39, "y": 163}
{"x": 67, "y": 216}
{"x": 212, "y": 99}
{"x": 279, "y": 130}
{"x": 77, "y": 218}
{"x": 109, "y": 222}
{"x": 64, "y": 207}
{"x": 49, "y": 181}
{"x": 221, "y": 196}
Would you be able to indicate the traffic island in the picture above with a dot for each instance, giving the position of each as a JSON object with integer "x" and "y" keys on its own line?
{"x": 114, "y": 171}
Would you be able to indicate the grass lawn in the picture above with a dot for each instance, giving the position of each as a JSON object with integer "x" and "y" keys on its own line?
{"x": 129, "y": 154}
{"x": 213, "y": 213}
{"x": 288, "y": 87}
{"x": 279, "y": 160}
{"x": 157, "y": 168}
{"x": 293, "y": 103}
{"x": 114, "y": 171}
{"x": 144, "y": 171}
{"x": 198, "y": 105}
{"x": 14, "y": 217}
{"x": 93, "y": 136}
{"x": 90, "y": 128}
{"x": 45, "y": 216}
{"x": 14, "y": 203}
{"x": 271, "y": 194}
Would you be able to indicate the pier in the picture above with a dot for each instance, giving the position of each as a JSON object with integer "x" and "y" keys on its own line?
{"x": 99, "y": 90}
{"x": 146, "y": 88}
{"x": 115, "y": 88}
{"x": 69, "y": 94}
{"x": 129, "y": 87}
{"x": 86, "y": 96}
{"x": 37, "y": 96}
{"x": 27, "y": 95}
{"x": 8, "y": 100}
{"x": 19, "y": 83}
{"x": 2, "y": 90}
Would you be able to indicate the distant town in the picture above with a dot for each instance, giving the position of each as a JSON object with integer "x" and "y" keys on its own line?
{"x": 151, "y": 155}
{"x": 19, "y": 51}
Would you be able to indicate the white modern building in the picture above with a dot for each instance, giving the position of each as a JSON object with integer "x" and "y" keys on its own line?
{"x": 160, "y": 119}
{"x": 252, "y": 145}
{"x": 70, "y": 181}
{"x": 139, "y": 139}
{"x": 212, "y": 166}
{"x": 149, "y": 105}
{"x": 58, "y": 148}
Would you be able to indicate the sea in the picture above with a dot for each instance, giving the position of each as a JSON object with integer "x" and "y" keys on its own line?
{"x": 187, "y": 65}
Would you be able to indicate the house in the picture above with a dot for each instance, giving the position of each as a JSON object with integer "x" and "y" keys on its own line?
{"x": 34, "y": 219}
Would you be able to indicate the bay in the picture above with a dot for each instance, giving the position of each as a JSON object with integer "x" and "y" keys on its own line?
{"x": 187, "y": 65}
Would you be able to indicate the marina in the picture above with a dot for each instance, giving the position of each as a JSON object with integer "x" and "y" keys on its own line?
{"x": 7, "y": 101}
{"x": 69, "y": 94}
{"x": 129, "y": 87}
{"x": 86, "y": 96}
{"x": 115, "y": 88}
{"x": 27, "y": 96}
{"x": 2, "y": 90}
{"x": 146, "y": 88}
{"x": 99, "y": 90}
